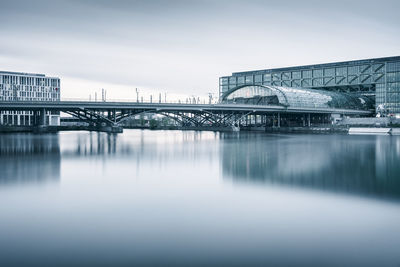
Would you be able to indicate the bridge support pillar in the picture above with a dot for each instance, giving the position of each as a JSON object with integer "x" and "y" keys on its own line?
{"x": 110, "y": 129}
{"x": 39, "y": 117}
{"x": 309, "y": 120}
{"x": 42, "y": 117}
{"x": 40, "y": 121}
{"x": 279, "y": 120}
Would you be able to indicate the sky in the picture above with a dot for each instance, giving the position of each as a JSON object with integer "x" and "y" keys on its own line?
{"x": 181, "y": 48}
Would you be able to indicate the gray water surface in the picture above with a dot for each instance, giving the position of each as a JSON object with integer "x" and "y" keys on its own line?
{"x": 169, "y": 198}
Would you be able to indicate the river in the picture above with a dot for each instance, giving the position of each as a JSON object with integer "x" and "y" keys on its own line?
{"x": 191, "y": 198}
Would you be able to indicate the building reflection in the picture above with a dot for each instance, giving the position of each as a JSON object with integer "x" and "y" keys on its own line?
{"x": 346, "y": 164}
{"x": 26, "y": 158}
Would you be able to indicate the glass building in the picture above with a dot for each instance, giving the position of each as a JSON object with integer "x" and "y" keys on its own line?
{"x": 377, "y": 79}
{"x": 295, "y": 97}
{"x": 18, "y": 86}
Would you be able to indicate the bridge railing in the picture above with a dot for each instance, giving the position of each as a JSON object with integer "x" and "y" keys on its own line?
{"x": 144, "y": 101}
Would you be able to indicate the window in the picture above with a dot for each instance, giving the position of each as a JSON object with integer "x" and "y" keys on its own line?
{"x": 267, "y": 77}
{"x": 317, "y": 82}
{"x": 329, "y": 72}
{"x": 393, "y": 87}
{"x": 365, "y": 78}
{"x": 286, "y": 76}
{"x": 365, "y": 69}
{"x": 352, "y": 70}
{"x": 306, "y": 82}
{"x": 249, "y": 79}
{"x": 296, "y": 74}
{"x": 340, "y": 80}
{"x": 317, "y": 73}
{"x": 276, "y": 76}
{"x": 352, "y": 79}
{"x": 378, "y": 67}
{"x": 393, "y": 66}
{"x": 393, "y": 76}
{"x": 240, "y": 80}
{"x": 306, "y": 73}
{"x": 329, "y": 81}
{"x": 258, "y": 78}
{"x": 296, "y": 83}
{"x": 224, "y": 88}
{"x": 341, "y": 71}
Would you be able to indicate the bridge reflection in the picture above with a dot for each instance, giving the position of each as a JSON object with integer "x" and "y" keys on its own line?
{"x": 358, "y": 165}
{"x": 345, "y": 164}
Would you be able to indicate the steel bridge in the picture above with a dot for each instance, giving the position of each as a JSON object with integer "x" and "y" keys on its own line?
{"x": 197, "y": 115}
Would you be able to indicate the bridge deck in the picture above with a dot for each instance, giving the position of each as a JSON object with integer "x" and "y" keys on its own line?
{"x": 167, "y": 107}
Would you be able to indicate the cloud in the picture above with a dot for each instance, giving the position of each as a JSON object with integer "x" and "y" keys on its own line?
{"x": 184, "y": 46}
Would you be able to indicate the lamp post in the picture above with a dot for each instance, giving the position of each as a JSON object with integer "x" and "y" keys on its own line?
{"x": 137, "y": 95}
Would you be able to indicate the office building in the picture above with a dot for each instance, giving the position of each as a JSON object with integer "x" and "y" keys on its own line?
{"x": 17, "y": 86}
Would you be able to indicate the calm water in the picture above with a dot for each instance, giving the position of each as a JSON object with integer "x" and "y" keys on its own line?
{"x": 199, "y": 198}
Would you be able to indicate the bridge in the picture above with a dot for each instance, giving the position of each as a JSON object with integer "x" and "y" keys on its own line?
{"x": 112, "y": 114}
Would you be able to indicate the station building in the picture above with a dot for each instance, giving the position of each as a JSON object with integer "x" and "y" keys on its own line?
{"x": 18, "y": 86}
{"x": 376, "y": 79}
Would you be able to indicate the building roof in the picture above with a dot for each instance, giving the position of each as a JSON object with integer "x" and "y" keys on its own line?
{"x": 296, "y": 97}
{"x": 324, "y": 65}
{"x": 25, "y": 74}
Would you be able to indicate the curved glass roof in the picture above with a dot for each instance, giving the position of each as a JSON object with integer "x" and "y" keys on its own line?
{"x": 294, "y": 97}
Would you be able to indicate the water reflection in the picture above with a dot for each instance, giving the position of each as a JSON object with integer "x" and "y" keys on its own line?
{"x": 366, "y": 165}
{"x": 26, "y": 158}
{"x": 160, "y": 146}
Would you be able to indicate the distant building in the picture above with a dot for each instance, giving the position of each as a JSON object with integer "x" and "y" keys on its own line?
{"x": 18, "y": 86}
{"x": 377, "y": 78}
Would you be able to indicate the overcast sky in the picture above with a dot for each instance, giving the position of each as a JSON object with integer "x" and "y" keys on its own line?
{"x": 183, "y": 47}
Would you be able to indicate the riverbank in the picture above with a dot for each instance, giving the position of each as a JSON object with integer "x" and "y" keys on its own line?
{"x": 117, "y": 129}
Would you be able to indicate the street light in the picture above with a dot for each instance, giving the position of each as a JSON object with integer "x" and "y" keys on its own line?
{"x": 137, "y": 95}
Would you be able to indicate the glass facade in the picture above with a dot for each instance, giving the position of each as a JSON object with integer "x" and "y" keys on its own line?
{"x": 16, "y": 86}
{"x": 376, "y": 78}
{"x": 295, "y": 97}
